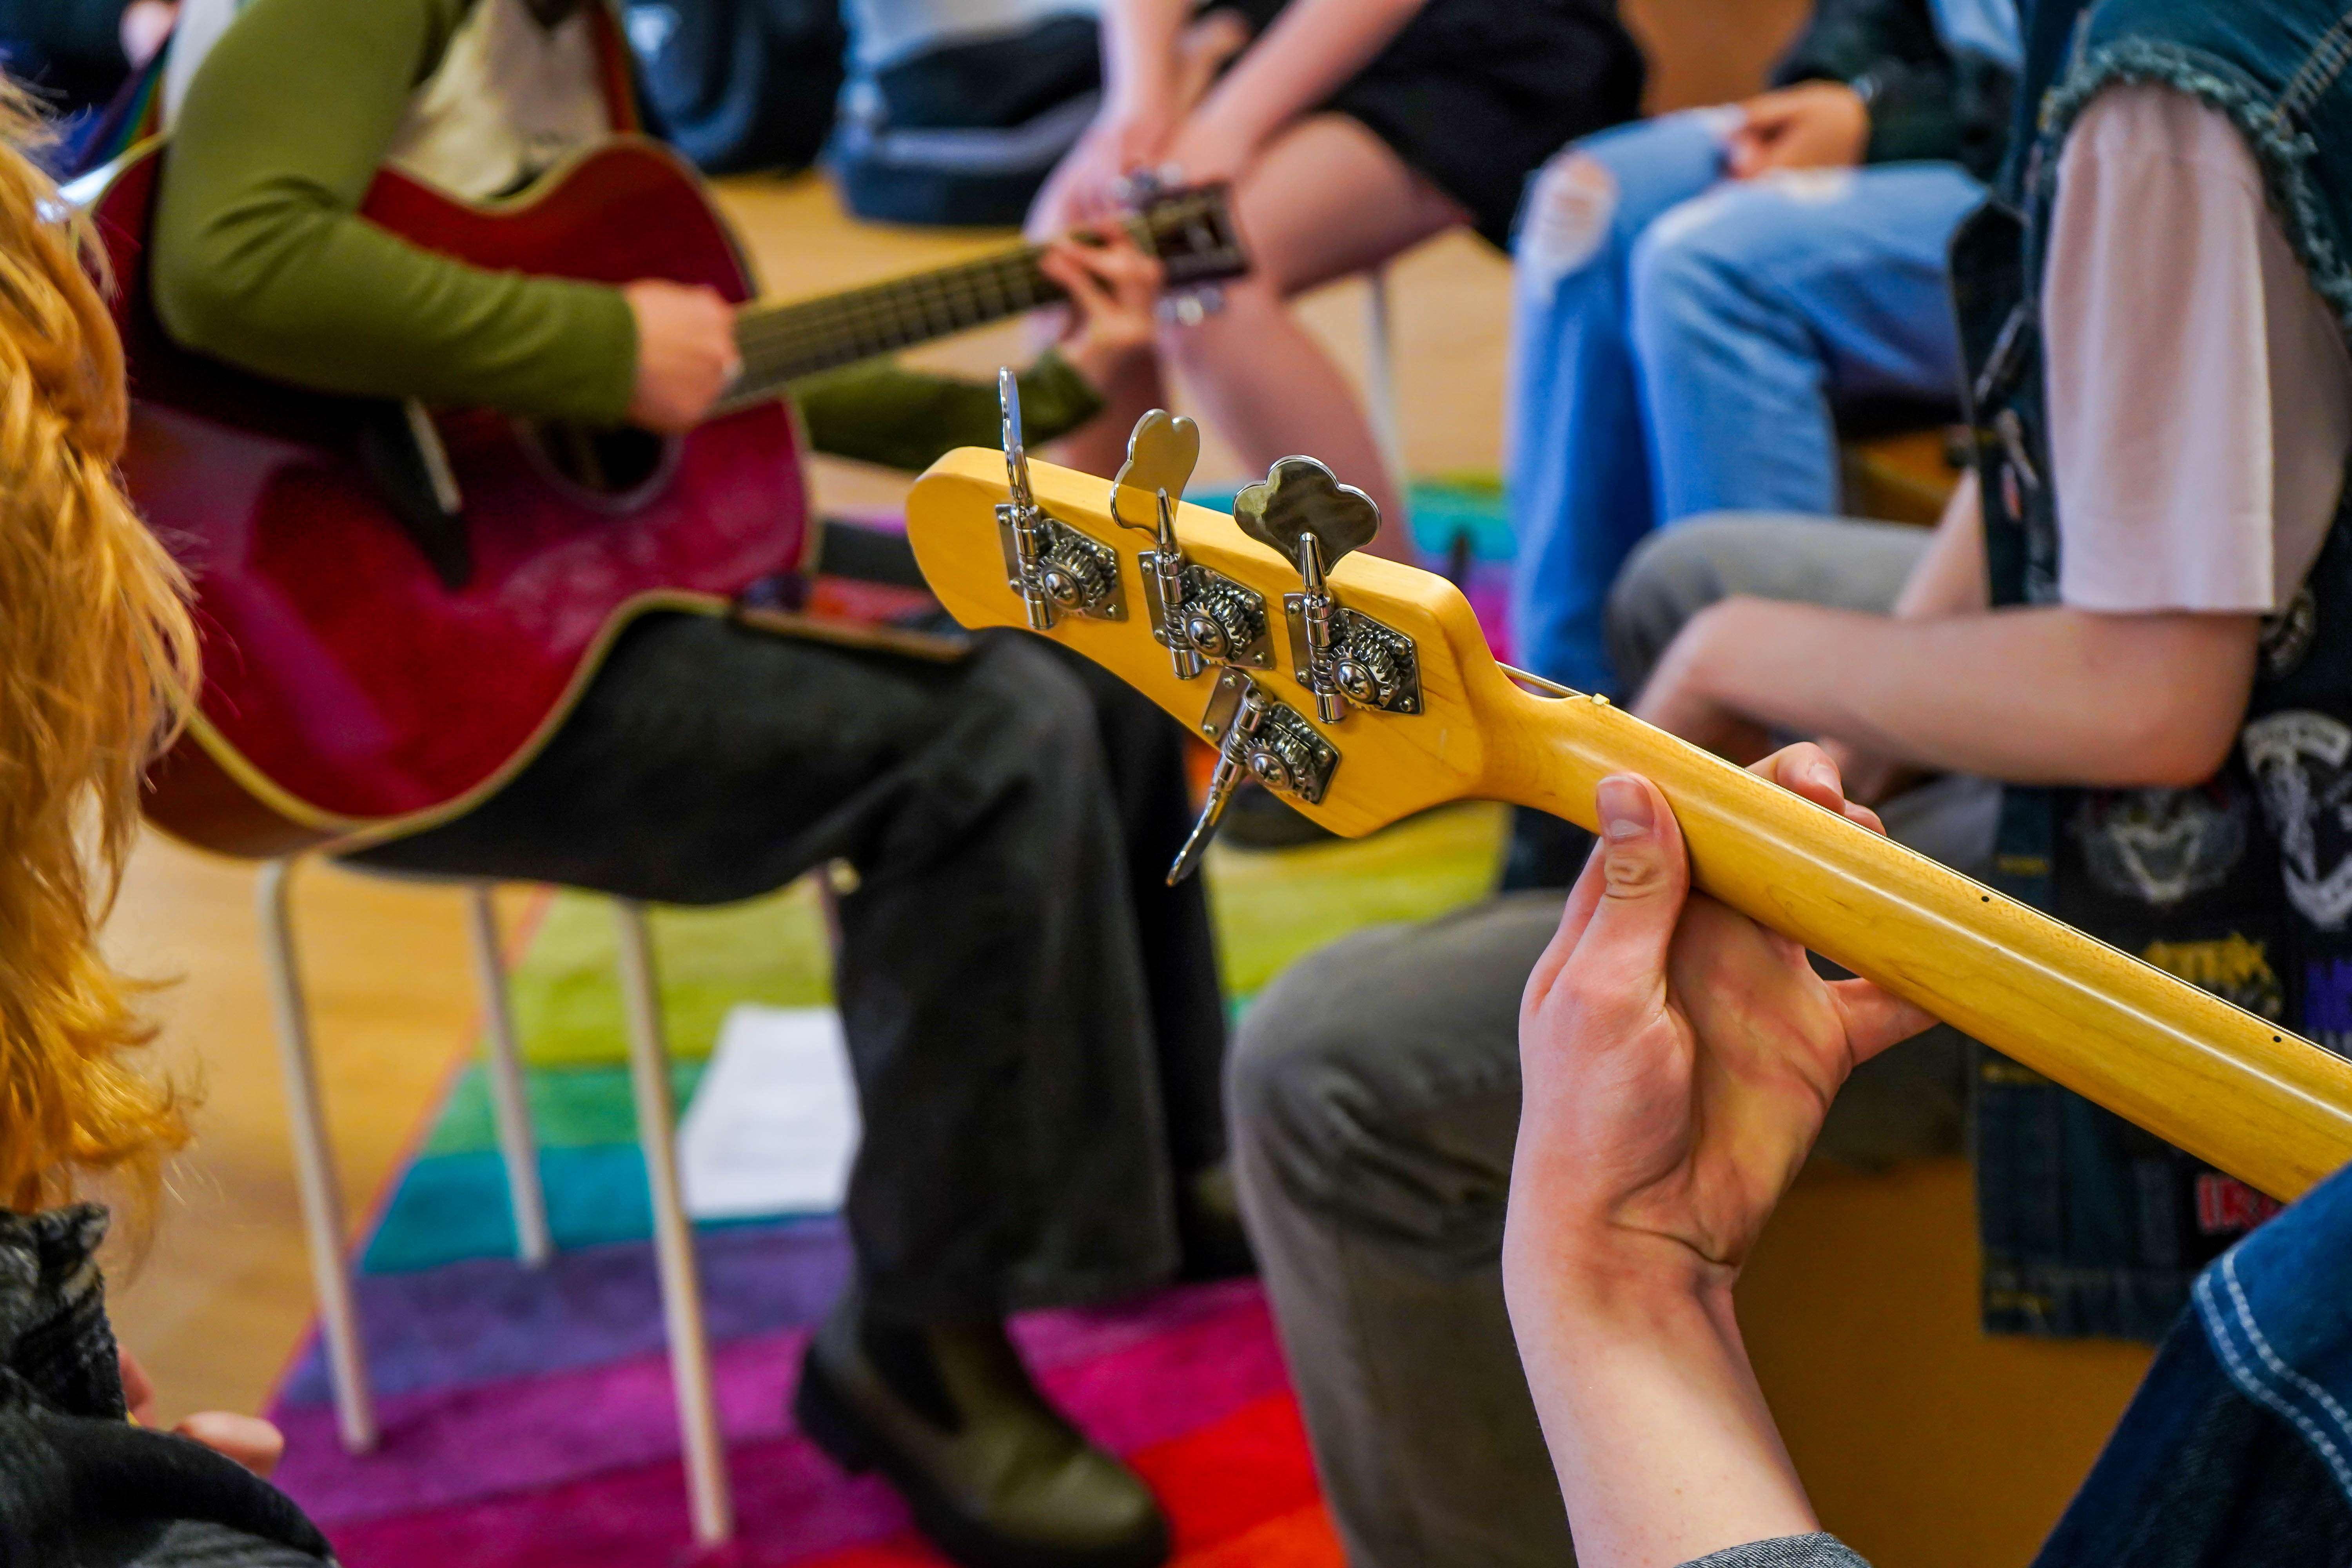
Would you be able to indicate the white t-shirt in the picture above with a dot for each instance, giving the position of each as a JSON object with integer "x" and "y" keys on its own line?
{"x": 2200, "y": 391}
{"x": 509, "y": 99}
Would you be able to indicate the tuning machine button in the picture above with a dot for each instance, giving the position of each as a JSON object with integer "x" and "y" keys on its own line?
{"x": 1056, "y": 569}
{"x": 1305, "y": 514}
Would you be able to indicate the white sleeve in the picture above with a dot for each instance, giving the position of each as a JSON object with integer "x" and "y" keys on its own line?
{"x": 2200, "y": 393}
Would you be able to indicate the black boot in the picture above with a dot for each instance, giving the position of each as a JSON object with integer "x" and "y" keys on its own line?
{"x": 996, "y": 1477}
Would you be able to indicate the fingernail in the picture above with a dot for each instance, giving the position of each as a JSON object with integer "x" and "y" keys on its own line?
{"x": 1624, "y": 808}
{"x": 1823, "y": 774}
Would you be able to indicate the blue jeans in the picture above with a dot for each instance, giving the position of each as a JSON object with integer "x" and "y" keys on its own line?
{"x": 1677, "y": 339}
{"x": 2237, "y": 1450}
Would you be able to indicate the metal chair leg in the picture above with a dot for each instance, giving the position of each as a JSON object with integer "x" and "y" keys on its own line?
{"x": 1380, "y": 395}
{"x": 509, "y": 1099}
{"x": 681, "y": 1289}
{"x": 314, "y": 1169}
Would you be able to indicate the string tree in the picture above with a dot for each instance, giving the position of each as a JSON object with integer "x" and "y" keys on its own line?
{"x": 1303, "y": 513}
{"x": 1200, "y": 616}
{"x": 1056, "y": 569}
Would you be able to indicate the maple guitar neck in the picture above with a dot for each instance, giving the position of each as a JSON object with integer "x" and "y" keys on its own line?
{"x": 782, "y": 343}
{"x": 2231, "y": 1088}
{"x": 2265, "y": 1105}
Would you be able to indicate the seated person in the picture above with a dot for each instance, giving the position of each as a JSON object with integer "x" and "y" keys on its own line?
{"x": 2171, "y": 588}
{"x": 98, "y": 653}
{"x": 1633, "y": 1208}
{"x": 1693, "y": 294}
{"x": 1352, "y": 130}
{"x": 1033, "y": 1018}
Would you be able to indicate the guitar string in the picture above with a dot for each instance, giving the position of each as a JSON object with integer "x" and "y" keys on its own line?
{"x": 875, "y": 320}
{"x": 881, "y": 310}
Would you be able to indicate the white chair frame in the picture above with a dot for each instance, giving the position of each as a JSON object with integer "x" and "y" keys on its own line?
{"x": 707, "y": 1490}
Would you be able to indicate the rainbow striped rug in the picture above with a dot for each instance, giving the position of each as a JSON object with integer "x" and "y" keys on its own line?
{"x": 527, "y": 1417}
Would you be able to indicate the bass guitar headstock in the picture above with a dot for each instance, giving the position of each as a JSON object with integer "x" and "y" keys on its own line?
{"x": 1346, "y": 684}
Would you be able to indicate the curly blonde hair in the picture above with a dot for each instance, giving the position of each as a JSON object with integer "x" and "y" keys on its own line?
{"x": 97, "y": 657}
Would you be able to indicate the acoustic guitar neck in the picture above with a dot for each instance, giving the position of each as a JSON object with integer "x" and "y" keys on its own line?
{"x": 782, "y": 343}
{"x": 1190, "y": 232}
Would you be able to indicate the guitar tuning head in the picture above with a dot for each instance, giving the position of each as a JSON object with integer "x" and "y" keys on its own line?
{"x": 1140, "y": 188}
{"x": 1160, "y": 456}
{"x": 1300, "y": 499}
{"x": 1016, "y": 455}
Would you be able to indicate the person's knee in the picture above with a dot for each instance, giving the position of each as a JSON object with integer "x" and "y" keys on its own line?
{"x": 1343, "y": 1116}
{"x": 1687, "y": 274}
{"x": 1569, "y": 217}
{"x": 1670, "y": 577}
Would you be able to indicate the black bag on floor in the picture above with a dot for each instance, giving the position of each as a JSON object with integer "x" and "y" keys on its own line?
{"x": 741, "y": 84}
{"x": 966, "y": 133}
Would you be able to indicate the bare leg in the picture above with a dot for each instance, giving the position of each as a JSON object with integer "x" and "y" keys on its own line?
{"x": 1326, "y": 199}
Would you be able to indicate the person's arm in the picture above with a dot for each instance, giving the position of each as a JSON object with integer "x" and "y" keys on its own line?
{"x": 259, "y": 260}
{"x": 1918, "y": 106}
{"x": 1313, "y": 46}
{"x": 882, "y": 412}
{"x": 1949, "y": 580}
{"x": 1678, "y": 1061}
{"x": 2041, "y": 695}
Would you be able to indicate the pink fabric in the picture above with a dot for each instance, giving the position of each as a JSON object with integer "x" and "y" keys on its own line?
{"x": 1132, "y": 1377}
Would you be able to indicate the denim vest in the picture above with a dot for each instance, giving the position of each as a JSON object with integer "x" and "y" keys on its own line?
{"x": 2243, "y": 884}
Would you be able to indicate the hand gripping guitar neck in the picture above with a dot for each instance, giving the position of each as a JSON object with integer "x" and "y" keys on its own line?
{"x": 1384, "y": 699}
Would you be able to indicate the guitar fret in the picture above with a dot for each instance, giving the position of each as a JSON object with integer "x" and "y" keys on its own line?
{"x": 782, "y": 344}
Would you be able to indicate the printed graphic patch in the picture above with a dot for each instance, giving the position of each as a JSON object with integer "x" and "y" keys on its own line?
{"x": 2160, "y": 845}
{"x": 2298, "y": 761}
{"x": 2287, "y": 635}
{"x": 2227, "y": 1206}
{"x": 2234, "y": 969}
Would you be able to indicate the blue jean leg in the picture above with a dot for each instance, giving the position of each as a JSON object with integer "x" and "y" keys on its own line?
{"x": 1754, "y": 304}
{"x": 1578, "y": 479}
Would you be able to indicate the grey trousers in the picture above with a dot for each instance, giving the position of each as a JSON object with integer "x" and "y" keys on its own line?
{"x": 1374, "y": 1090}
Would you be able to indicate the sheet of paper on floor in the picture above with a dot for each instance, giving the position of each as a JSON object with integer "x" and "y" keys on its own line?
{"x": 774, "y": 1124}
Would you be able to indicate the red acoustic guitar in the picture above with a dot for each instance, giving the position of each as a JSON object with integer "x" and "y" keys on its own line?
{"x": 398, "y": 607}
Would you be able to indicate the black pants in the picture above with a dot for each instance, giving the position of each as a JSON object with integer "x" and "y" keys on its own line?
{"x": 1034, "y": 1015}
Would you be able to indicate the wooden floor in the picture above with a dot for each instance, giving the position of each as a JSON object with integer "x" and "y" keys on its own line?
{"x": 1924, "y": 1444}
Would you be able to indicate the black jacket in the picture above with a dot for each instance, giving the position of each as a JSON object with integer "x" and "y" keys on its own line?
{"x": 1926, "y": 102}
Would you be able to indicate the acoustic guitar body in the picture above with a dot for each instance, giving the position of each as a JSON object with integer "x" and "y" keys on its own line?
{"x": 352, "y": 692}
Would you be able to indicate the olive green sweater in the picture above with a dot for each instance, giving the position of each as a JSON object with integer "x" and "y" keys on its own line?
{"x": 260, "y": 259}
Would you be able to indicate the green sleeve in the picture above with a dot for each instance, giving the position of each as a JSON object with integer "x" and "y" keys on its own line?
{"x": 881, "y": 412}
{"x": 261, "y": 260}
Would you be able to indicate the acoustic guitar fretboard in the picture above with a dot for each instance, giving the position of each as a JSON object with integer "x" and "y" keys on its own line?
{"x": 782, "y": 344}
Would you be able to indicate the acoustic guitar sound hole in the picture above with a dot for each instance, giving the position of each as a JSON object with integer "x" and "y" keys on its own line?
{"x": 616, "y": 466}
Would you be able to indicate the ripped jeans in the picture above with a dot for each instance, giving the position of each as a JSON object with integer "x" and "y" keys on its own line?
{"x": 1677, "y": 340}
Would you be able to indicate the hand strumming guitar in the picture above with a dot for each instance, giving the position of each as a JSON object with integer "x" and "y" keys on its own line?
{"x": 686, "y": 353}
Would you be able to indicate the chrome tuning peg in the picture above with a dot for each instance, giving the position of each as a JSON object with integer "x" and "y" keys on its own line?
{"x": 1303, "y": 513}
{"x": 1160, "y": 459}
{"x": 1160, "y": 456}
{"x": 1052, "y": 566}
{"x": 1202, "y": 617}
{"x": 1258, "y": 738}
